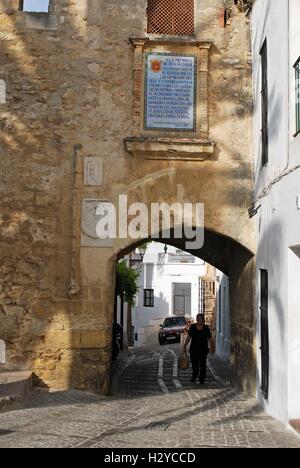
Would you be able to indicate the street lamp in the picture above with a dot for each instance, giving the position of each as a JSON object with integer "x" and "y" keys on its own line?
{"x": 142, "y": 250}
{"x": 137, "y": 257}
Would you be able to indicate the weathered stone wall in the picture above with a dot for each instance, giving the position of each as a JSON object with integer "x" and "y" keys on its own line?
{"x": 69, "y": 96}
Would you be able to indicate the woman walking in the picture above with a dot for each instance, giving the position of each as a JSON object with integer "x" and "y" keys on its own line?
{"x": 199, "y": 336}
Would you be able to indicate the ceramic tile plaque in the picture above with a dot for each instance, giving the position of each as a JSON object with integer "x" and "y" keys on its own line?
{"x": 170, "y": 91}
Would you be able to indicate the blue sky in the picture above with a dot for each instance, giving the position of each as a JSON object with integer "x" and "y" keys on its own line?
{"x": 36, "y": 5}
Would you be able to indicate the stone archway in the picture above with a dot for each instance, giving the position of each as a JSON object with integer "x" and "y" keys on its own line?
{"x": 69, "y": 339}
{"x": 76, "y": 350}
{"x": 229, "y": 241}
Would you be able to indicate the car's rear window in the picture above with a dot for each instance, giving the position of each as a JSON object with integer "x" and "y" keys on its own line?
{"x": 174, "y": 322}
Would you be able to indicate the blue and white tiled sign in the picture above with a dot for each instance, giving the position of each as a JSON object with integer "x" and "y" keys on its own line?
{"x": 170, "y": 91}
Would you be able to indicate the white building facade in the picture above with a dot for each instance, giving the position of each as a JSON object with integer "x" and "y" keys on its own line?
{"x": 276, "y": 53}
{"x": 169, "y": 284}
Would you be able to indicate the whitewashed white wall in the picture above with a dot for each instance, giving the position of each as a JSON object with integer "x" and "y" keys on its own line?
{"x": 294, "y": 227}
{"x": 278, "y": 219}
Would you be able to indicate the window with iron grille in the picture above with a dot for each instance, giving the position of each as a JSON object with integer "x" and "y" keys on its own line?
{"x": 148, "y": 297}
{"x": 297, "y": 70}
{"x": 264, "y": 104}
{"x": 175, "y": 17}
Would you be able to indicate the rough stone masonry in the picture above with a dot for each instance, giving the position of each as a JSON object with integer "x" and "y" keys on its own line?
{"x": 71, "y": 94}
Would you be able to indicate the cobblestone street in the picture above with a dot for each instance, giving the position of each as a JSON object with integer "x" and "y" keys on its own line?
{"x": 154, "y": 406}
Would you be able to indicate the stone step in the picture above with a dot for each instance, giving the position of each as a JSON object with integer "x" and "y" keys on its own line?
{"x": 14, "y": 386}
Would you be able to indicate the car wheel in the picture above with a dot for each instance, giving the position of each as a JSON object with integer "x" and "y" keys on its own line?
{"x": 161, "y": 341}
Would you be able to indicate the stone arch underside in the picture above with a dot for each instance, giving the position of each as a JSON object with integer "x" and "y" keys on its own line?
{"x": 218, "y": 250}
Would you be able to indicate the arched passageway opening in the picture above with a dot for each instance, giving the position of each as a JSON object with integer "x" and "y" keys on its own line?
{"x": 235, "y": 261}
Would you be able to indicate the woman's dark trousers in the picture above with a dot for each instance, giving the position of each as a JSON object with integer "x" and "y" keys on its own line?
{"x": 199, "y": 363}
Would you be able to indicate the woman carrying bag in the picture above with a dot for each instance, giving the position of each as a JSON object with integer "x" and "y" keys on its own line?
{"x": 184, "y": 362}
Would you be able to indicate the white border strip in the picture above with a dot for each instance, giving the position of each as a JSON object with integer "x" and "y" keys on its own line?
{"x": 160, "y": 375}
{"x": 176, "y": 382}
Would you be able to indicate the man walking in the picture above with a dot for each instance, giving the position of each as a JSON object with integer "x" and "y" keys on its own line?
{"x": 199, "y": 336}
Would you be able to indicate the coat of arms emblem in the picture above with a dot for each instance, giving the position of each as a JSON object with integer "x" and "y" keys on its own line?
{"x": 156, "y": 66}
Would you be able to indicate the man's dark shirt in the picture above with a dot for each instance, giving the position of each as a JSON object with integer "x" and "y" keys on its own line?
{"x": 199, "y": 344}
